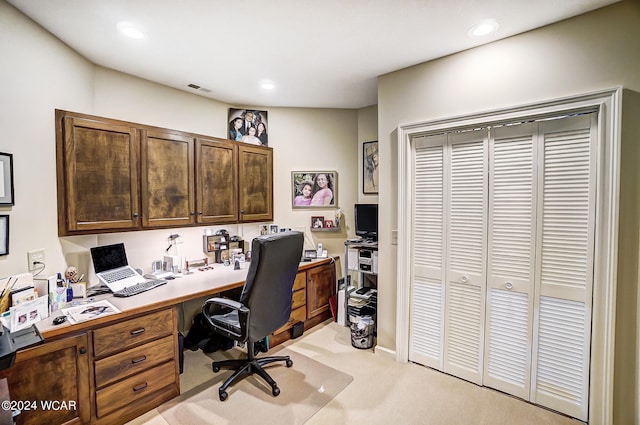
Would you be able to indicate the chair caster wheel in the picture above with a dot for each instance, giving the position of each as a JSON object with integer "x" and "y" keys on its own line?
{"x": 289, "y": 363}
{"x": 215, "y": 368}
{"x": 223, "y": 395}
{"x": 275, "y": 391}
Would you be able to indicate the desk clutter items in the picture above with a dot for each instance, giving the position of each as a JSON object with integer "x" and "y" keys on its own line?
{"x": 222, "y": 246}
{"x": 20, "y": 305}
{"x": 200, "y": 264}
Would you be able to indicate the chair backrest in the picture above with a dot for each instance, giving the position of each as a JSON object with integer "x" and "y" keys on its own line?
{"x": 269, "y": 285}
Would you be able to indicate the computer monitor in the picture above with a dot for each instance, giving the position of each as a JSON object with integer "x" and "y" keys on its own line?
{"x": 366, "y": 217}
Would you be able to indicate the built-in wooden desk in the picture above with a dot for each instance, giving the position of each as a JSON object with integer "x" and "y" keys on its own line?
{"x": 112, "y": 369}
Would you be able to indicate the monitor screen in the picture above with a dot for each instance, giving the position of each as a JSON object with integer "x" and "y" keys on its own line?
{"x": 366, "y": 217}
{"x": 108, "y": 257}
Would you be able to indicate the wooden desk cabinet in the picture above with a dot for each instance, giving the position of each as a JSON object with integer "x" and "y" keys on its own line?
{"x": 135, "y": 366}
{"x": 58, "y": 372}
{"x": 107, "y": 375}
{"x": 310, "y": 300}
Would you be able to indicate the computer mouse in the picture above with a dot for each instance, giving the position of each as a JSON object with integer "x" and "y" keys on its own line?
{"x": 59, "y": 320}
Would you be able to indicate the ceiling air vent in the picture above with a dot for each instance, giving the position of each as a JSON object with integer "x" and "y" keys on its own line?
{"x": 193, "y": 86}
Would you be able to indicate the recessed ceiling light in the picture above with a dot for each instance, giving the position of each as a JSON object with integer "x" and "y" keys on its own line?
{"x": 483, "y": 28}
{"x": 130, "y": 30}
{"x": 267, "y": 85}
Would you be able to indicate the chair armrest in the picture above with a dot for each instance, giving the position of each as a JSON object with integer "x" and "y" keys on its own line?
{"x": 225, "y": 302}
{"x": 243, "y": 316}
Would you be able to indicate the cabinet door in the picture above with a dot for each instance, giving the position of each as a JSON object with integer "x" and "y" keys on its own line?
{"x": 98, "y": 184}
{"x": 216, "y": 181}
{"x": 57, "y": 373}
{"x": 167, "y": 179}
{"x": 321, "y": 285}
{"x": 255, "y": 183}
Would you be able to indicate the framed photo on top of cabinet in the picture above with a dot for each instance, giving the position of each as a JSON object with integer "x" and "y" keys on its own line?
{"x": 314, "y": 189}
{"x": 6, "y": 179}
{"x": 248, "y": 126}
{"x": 370, "y": 168}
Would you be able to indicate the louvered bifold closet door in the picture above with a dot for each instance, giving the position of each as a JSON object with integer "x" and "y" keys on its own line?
{"x": 566, "y": 214}
{"x": 511, "y": 259}
{"x": 465, "y": 254}
{"x": 427, "y": 284}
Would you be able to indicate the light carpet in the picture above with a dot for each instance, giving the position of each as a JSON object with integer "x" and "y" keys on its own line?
{"x": 304, "y": 389}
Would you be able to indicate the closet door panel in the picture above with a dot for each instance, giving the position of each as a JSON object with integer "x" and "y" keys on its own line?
{"x": 511, "y": 254}
{"x": 427, "y": 286}
{"x": 565, "y": 265}
{"x": 466, "y": 255}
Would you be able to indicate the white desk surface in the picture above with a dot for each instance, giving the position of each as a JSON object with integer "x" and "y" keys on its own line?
{"x": 183, "y": 288}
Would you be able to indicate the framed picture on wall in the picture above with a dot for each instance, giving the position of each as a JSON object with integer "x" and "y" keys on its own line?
{"x": 6, "y": 179}
{"x": 4, "y": 234}
{"x": 370, "y": 168}
{"x": 314, "y": 189}
{"x": 248, "y": 126}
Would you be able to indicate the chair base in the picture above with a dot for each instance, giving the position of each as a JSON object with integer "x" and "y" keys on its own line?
{"x": 248, "y": 367}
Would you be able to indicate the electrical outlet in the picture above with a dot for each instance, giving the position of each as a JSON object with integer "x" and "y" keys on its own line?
{"x": 35, "y": 256}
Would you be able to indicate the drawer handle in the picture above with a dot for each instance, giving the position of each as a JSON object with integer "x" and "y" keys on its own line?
{"x": 139, "y": 360}
{"x": 138, "y": 331}
{"x": 140, "y": 387}
{"x": 508, "y": 285}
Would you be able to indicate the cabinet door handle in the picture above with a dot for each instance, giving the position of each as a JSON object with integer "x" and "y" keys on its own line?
{"x": 192, "y": 213}
{"x": 200, "y": 212}
{"x": 83, "y": 350}
{"x": 464, "y": 279}
{"x": 139, "y": 360}
{"x": 136, "y": 215}
{"x": 137, "y": 331}
{"x": 140, "y": 387}
{"x": 508, "y": 285}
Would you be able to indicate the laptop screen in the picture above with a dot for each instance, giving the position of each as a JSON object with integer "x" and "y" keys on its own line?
{"x": 108, "y": 257}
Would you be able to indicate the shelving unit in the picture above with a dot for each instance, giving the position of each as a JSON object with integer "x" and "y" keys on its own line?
{"x": 360, "y": 279}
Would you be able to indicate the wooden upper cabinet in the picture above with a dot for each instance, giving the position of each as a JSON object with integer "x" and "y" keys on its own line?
{"x": 97, "y": 165}
{"x": 255, "y": 182}
{"x": 117, "y": 176}
{"x": 216, "y": 181}
{"x": 167, "y": 179}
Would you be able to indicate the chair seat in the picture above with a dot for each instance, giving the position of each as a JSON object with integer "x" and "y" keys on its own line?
{"x": 228, "y": 321}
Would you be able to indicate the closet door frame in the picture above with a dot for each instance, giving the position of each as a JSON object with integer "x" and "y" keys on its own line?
{"x": 607, "y": 104}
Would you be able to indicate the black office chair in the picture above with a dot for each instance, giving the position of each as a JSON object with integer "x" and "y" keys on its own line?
{"x": 264, "y": 306}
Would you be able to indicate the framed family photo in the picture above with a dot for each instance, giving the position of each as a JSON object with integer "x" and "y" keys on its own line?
{"x": 314, "y": 189}
{"x": 248, "y": 126}
{"x": 6, "y": 179}
{"x": 370, "y": 168}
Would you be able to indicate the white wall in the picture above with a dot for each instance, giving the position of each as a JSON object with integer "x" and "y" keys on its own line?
{"x": 40, "y": 74}
{"x": 591, "y": 52}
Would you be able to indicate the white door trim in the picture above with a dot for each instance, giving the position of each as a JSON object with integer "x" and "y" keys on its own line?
{"x": 608, "y": 103}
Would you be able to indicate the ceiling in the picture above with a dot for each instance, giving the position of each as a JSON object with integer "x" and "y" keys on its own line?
{"x": 325, "y": 53}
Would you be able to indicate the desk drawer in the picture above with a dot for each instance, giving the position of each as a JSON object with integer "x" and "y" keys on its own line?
{"x": 132, "y": 332}
{"x": 298, "y": 299}
{"x": 118, "y": 366}
{"x": 297, "y": 315}
{"x": 131, "y": 389}
{"x": 300, "y": 282}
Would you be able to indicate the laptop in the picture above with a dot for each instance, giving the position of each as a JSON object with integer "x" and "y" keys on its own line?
{"x": 111, "y": 266}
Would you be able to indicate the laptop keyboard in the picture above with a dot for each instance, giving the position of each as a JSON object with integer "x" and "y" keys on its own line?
{"x": 139, "y": 288}
{"x": 115, "y": 275}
